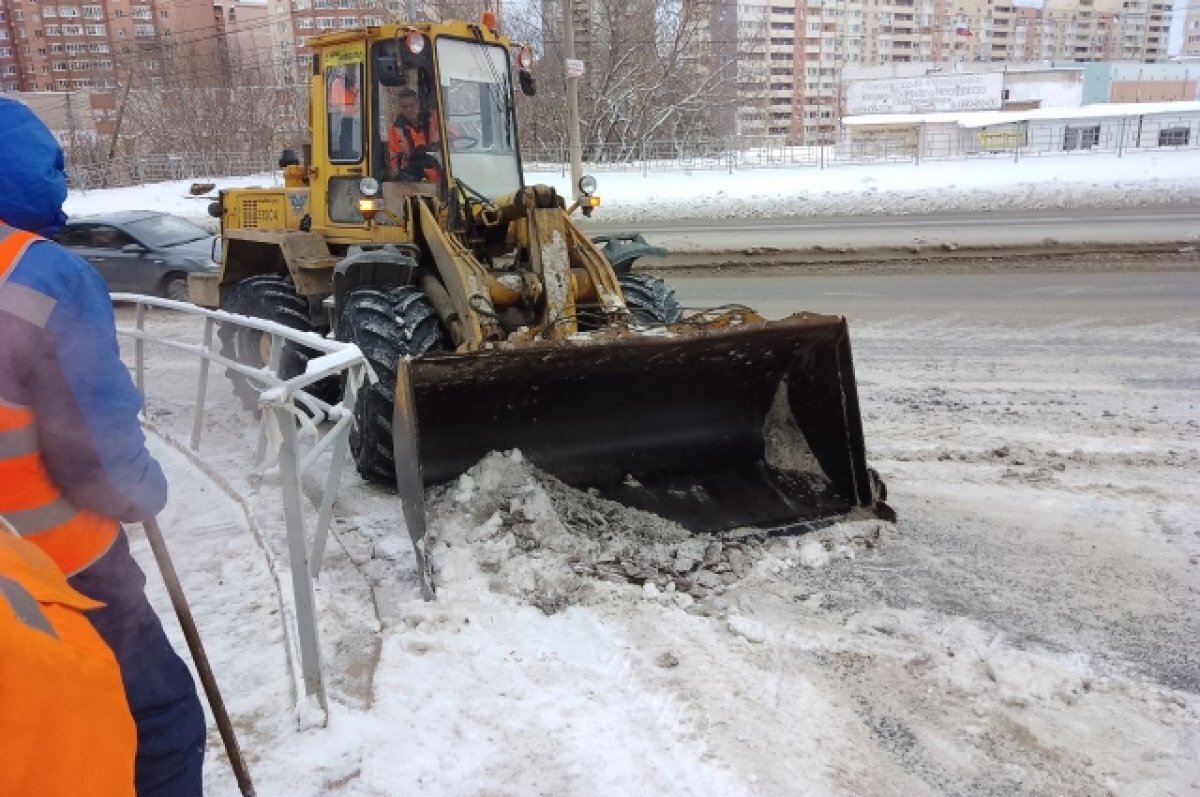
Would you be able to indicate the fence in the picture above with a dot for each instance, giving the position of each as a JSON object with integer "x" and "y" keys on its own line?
{"x": 139, "y": 169}
{"x": 284, "y": 403}
{"x": 917, "y": 143}
{"x": 914, "y": 144}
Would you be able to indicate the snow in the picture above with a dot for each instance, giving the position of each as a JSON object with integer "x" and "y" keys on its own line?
{"x": 1027, "y": 627}
{"x": 629, "y": 196}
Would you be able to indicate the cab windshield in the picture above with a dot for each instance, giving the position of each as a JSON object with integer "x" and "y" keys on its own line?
{"x": 476, "y": 99}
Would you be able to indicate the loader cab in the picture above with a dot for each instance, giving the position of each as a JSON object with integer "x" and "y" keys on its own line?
{"x": 422, "y": 114}
{"x": 446, "y": 106}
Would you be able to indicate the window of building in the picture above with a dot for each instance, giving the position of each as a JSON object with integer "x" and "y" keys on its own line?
{"x": 1174, "y": 136}
{"x": 1081, "y": 137}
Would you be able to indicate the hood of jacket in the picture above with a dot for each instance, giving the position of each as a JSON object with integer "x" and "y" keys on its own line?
{"x": 33, "y": 184}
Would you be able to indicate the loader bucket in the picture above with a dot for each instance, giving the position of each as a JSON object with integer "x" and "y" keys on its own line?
{"x": 745, "y": 426}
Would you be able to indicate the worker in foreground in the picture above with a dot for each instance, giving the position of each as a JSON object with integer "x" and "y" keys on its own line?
{"x": 73, "y": 460}
{"x": 63, "y": 716}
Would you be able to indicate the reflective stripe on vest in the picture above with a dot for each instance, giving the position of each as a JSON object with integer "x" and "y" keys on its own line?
{"x": 24, "y": 607}
{"x": 30, "y": 502}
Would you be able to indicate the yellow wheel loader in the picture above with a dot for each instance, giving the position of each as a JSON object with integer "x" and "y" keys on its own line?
{"x": 494, "y": 323}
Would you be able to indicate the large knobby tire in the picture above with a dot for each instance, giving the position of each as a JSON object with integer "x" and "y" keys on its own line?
{"x": 650, "y": 299}
{"x": 385, "y": 324}
{"x": 271, "y": 298}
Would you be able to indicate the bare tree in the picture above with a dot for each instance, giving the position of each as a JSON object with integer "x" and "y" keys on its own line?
{"x": 652, "y": 75}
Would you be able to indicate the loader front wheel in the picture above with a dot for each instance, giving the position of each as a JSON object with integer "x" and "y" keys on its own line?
{"x": 385, "y": 324}
{"x": 271, "y": 298}
{"x": 650, "y": 299}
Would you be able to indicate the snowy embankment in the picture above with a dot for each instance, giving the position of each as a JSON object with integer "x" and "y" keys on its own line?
{"x": 1028, "y": 627}
{"x": 1102, "y": 180}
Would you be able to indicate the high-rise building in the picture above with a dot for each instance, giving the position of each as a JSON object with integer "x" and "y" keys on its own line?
{"x": 79, "y": 45}
{"x": 790, "y": 55}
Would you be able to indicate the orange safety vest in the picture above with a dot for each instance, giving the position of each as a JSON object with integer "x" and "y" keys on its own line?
{"x": 30, "y": 501}
{"x": 403, "y": 140}
{"x": 65, "y": 725}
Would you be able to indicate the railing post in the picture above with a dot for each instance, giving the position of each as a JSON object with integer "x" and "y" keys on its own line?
{"x": 202, "y": 390}
{"x": 260, "y": 453}
{"x": 302, "y": 588}
{"x": 332, "y": 479}
{"x": 139, "y": 349}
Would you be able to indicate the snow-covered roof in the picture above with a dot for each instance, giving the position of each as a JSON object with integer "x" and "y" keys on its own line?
{"x": 971, "y": 119}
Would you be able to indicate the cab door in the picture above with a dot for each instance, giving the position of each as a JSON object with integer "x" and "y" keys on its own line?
{"x": 339, "y": 138}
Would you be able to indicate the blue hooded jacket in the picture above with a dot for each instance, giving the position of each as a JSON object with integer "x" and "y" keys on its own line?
{"x": 68, "y": 369}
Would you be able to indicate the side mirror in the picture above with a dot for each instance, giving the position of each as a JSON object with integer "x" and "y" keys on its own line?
{"x": 528, "y": 86}
{"x": 218, "y": 250}
{"x": 134, "y": 249}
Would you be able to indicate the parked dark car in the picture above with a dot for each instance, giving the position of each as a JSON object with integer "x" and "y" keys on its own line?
{"x": 141, "y": 251}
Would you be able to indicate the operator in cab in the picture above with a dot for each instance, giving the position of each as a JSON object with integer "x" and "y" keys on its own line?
{"x": 413, "y": 141}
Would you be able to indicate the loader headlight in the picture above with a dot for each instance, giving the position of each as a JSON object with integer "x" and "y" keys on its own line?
{"x": 587, "y": 184}
{"x": 368, "y": 207}
{"x": 368, "y": 186}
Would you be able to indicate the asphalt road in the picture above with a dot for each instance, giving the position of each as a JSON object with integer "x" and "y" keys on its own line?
{"x": 998, "y": 228}
{"x": 1027, "y": 297}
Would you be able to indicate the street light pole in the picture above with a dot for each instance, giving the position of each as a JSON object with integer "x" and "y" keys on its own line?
{"x": 575, "y": 148}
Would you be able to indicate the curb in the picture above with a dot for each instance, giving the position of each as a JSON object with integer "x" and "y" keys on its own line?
{"x": 763, "y": 257}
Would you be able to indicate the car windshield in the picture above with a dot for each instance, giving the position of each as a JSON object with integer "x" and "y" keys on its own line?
{"x": 477, "y": 103}
{"x": 162, "y": 231}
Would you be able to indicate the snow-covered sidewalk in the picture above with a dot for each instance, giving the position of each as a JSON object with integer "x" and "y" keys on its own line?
{"x": 1085, "y": 180}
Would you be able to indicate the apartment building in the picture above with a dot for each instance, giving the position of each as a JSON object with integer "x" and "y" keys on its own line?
{"x": 56, "y": 47}
{"x": 248, "y": 39}
{"x": 790, "y": 56}
{"x": 1190, "y": 45}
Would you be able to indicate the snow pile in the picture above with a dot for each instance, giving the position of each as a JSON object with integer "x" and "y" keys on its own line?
{"x": 507, "y": 527}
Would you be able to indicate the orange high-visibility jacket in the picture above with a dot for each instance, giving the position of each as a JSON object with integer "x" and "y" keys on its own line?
{"x": 65, "y": 726}
{"x": 30, "y": 502}
{"x": 404, "y": 139}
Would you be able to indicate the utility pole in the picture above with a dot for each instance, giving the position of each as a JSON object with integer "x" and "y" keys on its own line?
{"x": 575, "y": 149}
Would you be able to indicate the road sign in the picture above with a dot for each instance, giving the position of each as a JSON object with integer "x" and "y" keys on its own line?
{"x": 574, "y": 67}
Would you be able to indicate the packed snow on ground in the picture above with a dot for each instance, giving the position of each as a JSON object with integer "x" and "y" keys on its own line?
{"x": 1083, "y": 180}
{"x": 1028, "y": 626}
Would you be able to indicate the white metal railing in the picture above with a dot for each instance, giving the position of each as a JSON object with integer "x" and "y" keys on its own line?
{"x": 281, "y": 402}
